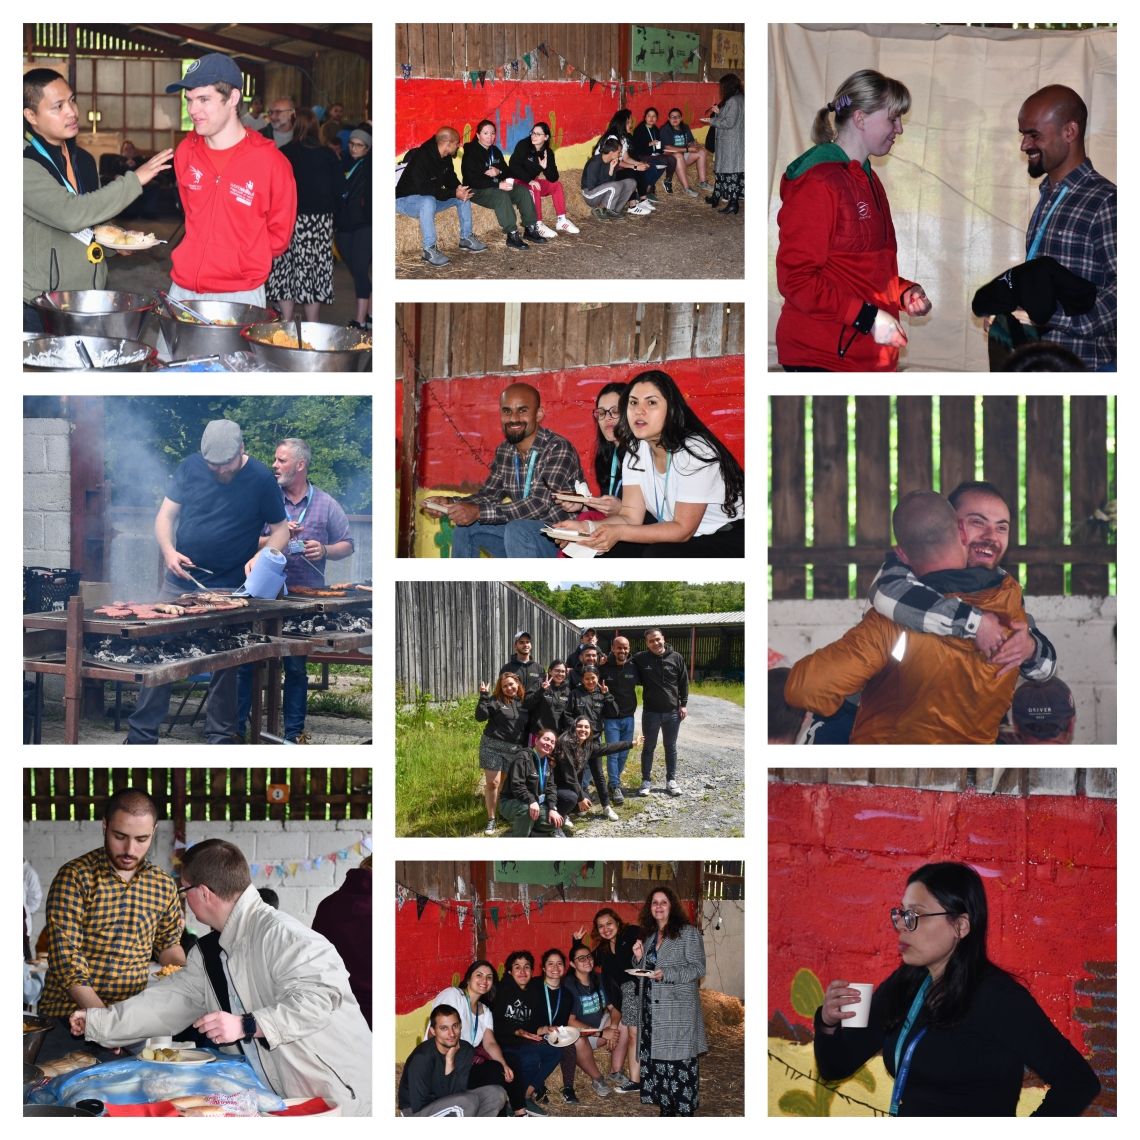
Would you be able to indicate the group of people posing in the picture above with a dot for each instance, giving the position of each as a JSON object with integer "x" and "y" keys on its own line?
{"x": 667, "y": 487}
{"x": 545, "y": 726}
{"x": 619, "y": 179}
{"x": 486, "y": 1050}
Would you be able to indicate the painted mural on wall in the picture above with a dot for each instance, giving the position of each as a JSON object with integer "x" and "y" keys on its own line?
{"x": 839, "y": 857}
{"x": 568, "y": 872}
{"x": 663, "y": 49}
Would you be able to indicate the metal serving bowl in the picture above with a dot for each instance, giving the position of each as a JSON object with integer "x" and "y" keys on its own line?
{"x": 95, "y": 312}
{"x": 64, "y": 347}
{"x": 34, "y": 1038}
{"x": 331, "y": 352}
{"x": 184, "y": 338}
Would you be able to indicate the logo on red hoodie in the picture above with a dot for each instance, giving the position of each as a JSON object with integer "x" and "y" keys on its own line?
{"x": 244, "y": 194}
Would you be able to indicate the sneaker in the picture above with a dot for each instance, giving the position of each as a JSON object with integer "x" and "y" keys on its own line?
{"x": 622, "y": 1084}
{"x": 645, "y": 789}
{"x": 600, "y": 1087}
{"x": 617, "y": 796}
{"x": 472, "y": 243}
{"x": 533, "y": 1108}
{"x": 641, "y": 210}
{"x": 610, "y": 814}
{"x": 703, "y": 185}
{"x": 600, "y": 213}
{"x": 566, "y": 226}
{"x": 614, "y": 215}
{"x": 567, "y": 823}
{"x": 301, "y": 737}
{"x": 541, "y": 1096}
{"x": 691, "y": 192}
{"x": 568, "y": 1097}
{"x": 433, "y": 257}
{"x": 534, "y": 235}
{"x": 651, "y": 196}
{"x": 490, "y": 828}
{"x": 648, "y": 203}
{"x": 668, "y": 186}
{"x": 671, "y": 787}
{"x": 560, "y": 834}
{"x": 515, "y": 241}
{"x": 545, "y": 230}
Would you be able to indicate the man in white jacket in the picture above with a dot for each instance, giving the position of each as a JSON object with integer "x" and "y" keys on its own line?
{"x": 262, "y": 986}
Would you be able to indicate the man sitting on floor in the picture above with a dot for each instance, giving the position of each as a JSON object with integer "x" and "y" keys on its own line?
{"x": 429, "y": 185}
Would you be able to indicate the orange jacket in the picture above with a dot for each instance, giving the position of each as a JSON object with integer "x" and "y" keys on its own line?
{"x": 942, "y": 691}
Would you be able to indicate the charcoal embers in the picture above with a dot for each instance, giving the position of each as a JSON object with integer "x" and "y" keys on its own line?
{"x": 339, "y": 621}
{"x": 172, "y": 647}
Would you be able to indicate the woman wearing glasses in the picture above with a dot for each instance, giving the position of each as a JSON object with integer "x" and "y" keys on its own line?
{"x": 956, "y": 1031}
{"x": 607, "y": 466}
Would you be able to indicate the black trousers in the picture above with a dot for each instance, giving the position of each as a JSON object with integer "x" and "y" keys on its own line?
{"x": 728, "y": 542}
{"x": 490, "y": 1072}
{"x": 32, "y": 322}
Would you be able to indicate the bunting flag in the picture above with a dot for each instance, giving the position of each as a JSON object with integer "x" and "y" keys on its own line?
{"x": 293, "y": 869}
{"x": 474, "y": 77}
{"x": 290, "y": 866}
{"x": 540, "y": 904}
{"x": 592, "y": 82}
{"x": 421, "y": 902}
{"x": 253, "y": 869}
{"x": 494, "y": 911}
{"x": 562, "y": 891}
{"x": 406, "y": 68}
{"x": 461, "y": 914}
{"x": 561, "y": 63}
{"x": 515, "y": 66}
{"x": 526, "y": 60}
{"x": 367, "y": 842}
{"x": 526, "y": 909}
{"x": 482, "y": 78}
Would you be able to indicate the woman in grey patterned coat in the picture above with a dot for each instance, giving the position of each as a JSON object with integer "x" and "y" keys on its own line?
{"x": 670, "y": 1025}
{"x": 728, "y": 118}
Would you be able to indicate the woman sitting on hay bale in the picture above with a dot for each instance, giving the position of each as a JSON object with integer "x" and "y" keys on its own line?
{"x": 485, "y": 171}
{"x": 533, "y": 163}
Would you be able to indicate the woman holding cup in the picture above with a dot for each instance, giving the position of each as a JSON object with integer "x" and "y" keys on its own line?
{"x": 485, "y": 171}
{"x": 956, "y": 1031}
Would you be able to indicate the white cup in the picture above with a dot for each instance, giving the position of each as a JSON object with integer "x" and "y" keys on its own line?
{"x": 862, "y": 1008}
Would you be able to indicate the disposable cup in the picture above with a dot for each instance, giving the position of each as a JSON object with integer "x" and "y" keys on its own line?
{"x": 862, "y": 1008}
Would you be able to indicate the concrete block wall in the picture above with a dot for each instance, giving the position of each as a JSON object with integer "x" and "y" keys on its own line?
{"x": 47, "y": 493}
{"x": 48, "y": 844}
{"x": 1082, "y": 629}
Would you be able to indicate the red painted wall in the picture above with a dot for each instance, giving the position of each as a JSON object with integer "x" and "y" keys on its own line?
{"x": 429, "y": 953}
{"x": 714, "y": 387}
{"x": 839, "y": 858}
{"x": 575, "y": 113}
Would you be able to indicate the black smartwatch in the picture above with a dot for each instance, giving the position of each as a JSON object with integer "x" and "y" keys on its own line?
{"x": 248, "y": 1027}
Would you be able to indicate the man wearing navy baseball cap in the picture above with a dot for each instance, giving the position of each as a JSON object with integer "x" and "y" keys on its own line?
{"x": 237, "y": 190}
{"x": 1043, "y": 712}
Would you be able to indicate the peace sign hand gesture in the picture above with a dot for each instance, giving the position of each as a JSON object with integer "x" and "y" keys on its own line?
{"x": 483, "y": 687}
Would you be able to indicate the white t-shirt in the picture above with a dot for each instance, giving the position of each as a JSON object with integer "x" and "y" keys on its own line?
{"x": 457, "y": 999}
{"x": 690, "y": 480}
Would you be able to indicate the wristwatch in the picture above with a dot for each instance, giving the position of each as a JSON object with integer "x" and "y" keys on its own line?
{"x": 248, "y": 1027}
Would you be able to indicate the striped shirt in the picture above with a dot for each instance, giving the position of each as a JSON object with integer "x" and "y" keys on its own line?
{"x": 323, "y": 520}
{"x": 102, "y": 932}
{"x": 556, "y": 467}
{"x": 1081, "y": 234}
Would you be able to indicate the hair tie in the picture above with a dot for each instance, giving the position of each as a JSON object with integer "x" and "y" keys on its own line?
{"x": 831, "y": 107}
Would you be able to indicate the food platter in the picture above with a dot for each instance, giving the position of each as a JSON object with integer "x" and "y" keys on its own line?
{"x": 185, "y": 1057}
{"x": 642, "y": 973}
{"x": 562, "y": 1036}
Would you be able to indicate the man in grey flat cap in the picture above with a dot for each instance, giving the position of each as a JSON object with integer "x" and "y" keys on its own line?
{"x": 220, "y": 499}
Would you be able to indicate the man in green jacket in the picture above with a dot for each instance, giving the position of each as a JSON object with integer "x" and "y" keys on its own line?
{"x": 62, "y": 196}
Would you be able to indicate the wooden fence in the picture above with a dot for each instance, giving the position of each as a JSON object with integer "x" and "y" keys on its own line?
{"x": 711, "y": 652}
{"x": 1099, "y": 783}
{"x": 467, "y": 339}
{"x": 723, "y": 881}
{"x": 452, "y": 635}
{"x": 448, "y": 51}
{"x": 210, "y": 793}
{"x": 1044, "y": 548}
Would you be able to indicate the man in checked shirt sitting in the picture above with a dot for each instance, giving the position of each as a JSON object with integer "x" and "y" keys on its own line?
{"x": 529, "y": 468}
{"x": 109, "y": 912}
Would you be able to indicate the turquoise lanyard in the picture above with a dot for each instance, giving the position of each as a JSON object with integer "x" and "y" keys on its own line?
{"x": 36, "y": 143}
{"x": 557, "y": 1007}
{"x": 1040, "y": 232}
{"x": 529, "y": 472}
{"x": 613, "y": 475}
{"x": 665, "y": 486}
{"x": 902, "y": 1070}
{"x": 474, "y": 1028}
{"x": 353, "y": 170}
{"x": 541, "y": 778}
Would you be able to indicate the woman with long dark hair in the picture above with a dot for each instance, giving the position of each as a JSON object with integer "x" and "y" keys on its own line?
{"x": 485, "y": 171}
{"x": 648, "y": 146}
{"x": 491, "y": 1064}
{"x": 727, "y": 116}
{"x": 613, "y": 955}
{"x": 532, "y": 162}
{"x": 675, "y": 470}
{"x": 607, "y": 466}
{"x": 956, "y": 1031}
{"x": 671, "y": 1026}
{"x": 578, "y": 747}
{"x": 553, "y": 699}
{"x": 620, "y": 128}
{"x": 506, "y": 710}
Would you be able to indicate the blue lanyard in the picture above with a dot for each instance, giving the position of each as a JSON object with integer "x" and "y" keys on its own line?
{"x": 353, "y": 170}
{"x": 902, "y": 1070}
{"x": 665, "y": 487}
{"x": 557, "y": 1007}
{"x": 309, "y": 496}
{"x": 529, "y": 472}
{"x": 541, "y": 774}
{"x": 70, "y": 189}
{"x": 613, "y": 475}
{"x": 475, "y": 1029}
{"x": 1040, "y": 231}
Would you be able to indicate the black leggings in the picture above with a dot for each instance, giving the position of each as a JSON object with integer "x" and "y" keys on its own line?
{"x": 356, "y": 248}
{"x": 639, "y": 177}
{"x": 568, "y": 800}
{"x": 728, "y": 542}
{"x": 490, "y": 1072}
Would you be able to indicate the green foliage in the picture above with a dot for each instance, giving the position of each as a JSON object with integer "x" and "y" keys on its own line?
{"x": 798, "y": 1102}
{"x": 638, "y": 599}
{"x": 725, "y": 690}
{"x": 807, "y": 993}
{"x": 456, "y": 979}
{"x": 865, "y": 1077}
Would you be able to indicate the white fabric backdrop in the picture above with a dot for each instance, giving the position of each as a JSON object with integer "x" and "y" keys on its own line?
{"x": 960, "y": 195}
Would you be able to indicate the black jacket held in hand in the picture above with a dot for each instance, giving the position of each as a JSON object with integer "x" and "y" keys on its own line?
{"x": 425, "y": 1077}
{"x": 664, "y": 680}
{"x": 505, "y": 721}
{"x": 1036, "y": 286}
{"x": 522, "y": 778}
{"x": 477, "y": 160}
{"x": 974, "y": 1068}
{"x": 428, "y": 172}
{"x": 524, "y": 164}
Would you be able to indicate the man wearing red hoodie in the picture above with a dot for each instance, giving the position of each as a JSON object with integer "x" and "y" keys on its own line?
{"x": 237, "y": 190}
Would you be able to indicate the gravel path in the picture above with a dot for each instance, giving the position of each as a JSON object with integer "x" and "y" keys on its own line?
{"x": 710, "y": 772}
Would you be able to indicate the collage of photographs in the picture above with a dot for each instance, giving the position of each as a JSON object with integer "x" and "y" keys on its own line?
{"x": 941, "y": 568}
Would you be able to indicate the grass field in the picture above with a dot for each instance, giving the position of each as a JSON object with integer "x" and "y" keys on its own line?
{"x": 727, "y": 690}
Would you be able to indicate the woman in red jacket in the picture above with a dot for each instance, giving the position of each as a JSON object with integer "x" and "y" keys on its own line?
{"x": 837, "y": 263}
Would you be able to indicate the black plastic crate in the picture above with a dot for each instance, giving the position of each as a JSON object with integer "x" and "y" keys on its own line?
{"x": 47, "y": 589}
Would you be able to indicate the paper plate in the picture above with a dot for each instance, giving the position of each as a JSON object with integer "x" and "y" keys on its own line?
{"x": 567, "y": 1035}
{"x": 132, "y": 248}
{"x": 642, "y": 973}
{"x": 188, "y": 1057}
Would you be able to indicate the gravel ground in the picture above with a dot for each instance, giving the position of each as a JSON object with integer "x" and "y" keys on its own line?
{"x": 710, "y": 772}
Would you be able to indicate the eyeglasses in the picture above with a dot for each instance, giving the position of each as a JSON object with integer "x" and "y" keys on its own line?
{"x": 601, "y": 414}
{"x": 582, "y": 959}
{"x": 910, "y": 918}
{"x": 182, "y": 891}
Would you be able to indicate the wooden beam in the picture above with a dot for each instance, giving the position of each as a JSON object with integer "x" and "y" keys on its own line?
{"x": 1031, "y": 555}
{"x": 312, "y": 35}
{"x": 407, "y": 533}
{"x": 225, "y": 44}
{"x": 164, "y": 44}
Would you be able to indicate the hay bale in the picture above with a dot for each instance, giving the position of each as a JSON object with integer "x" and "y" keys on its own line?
{"x": 485, "y": 225}
{"x": 720, "y": 1010}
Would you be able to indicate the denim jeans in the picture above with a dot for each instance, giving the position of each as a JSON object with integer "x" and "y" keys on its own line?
{"x": 424, "y": 207}
{"x": 518, "y": 539}
{"x": 615, "y": 730}
{"x": 668, "y": 724}
{"x": 296, "y": 698}
{"x": 538, "y": 1059}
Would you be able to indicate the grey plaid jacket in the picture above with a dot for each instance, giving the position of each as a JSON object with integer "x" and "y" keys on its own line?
{"x": 678, "y": 1024}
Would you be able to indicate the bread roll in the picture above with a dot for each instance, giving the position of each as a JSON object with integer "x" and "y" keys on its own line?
{"x": 113, "y": 235}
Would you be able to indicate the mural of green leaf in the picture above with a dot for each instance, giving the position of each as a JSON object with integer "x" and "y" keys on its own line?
{"x": 865, "y": 1077}
{"x": 807, "y": 993}
{"x": 455, "y": 980}
{"x": 801, "y": 1103}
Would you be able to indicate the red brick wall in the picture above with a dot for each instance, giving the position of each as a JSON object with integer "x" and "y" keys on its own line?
{"x": 839, "y": 857}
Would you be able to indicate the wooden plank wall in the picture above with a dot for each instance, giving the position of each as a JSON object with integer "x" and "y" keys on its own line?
{"x": 467, "y": 339}
{"x": 1044, "y": 483}
{"x": 452, "y": 635}
{"x": 1099, "y": 783}
{"x": 446, "y": 51}
{"x": 346, "y": 792}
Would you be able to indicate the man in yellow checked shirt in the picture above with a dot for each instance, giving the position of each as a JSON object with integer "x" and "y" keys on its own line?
{"x": 108, "y": 913}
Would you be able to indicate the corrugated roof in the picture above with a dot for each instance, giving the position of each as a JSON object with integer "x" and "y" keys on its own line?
{"x": 736, "y": 617}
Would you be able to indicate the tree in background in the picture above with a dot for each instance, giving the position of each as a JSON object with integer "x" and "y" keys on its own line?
{"x": 638, "y": 599}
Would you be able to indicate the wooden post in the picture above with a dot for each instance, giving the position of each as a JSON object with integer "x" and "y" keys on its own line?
{"x": 625, "y": 64}
{"x": 479, "y": 893}
{"x": 178, "y": 806}
{"x": 255, "y": 703}
{"x": 72, "y": 36}
{"x": 829, "y": 490}
{"x": 405, "y": 547}
{"x": 72, "y": 678}
{"x": 692, "y": 652}
{"x": 788, "y": 504}
{"x": 273, "y": 683}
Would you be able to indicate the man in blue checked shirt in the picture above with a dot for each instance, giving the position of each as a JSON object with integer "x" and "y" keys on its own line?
{"x": 318, "y": 534}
